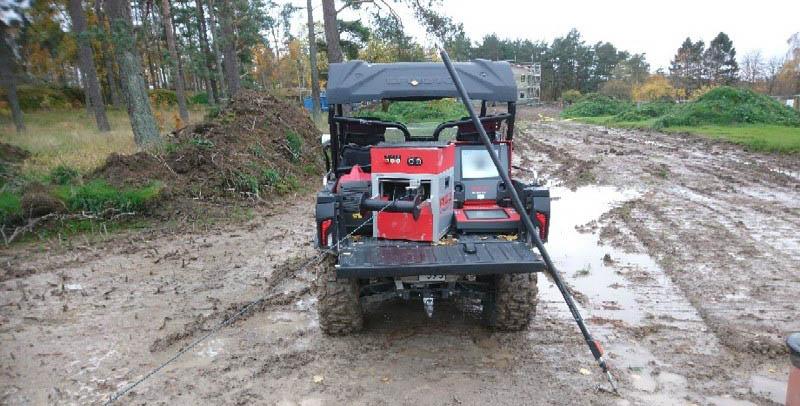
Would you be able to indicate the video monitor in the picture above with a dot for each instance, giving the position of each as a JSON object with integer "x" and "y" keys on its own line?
{"x": 477, "y": 164}
{"x": 493, "y": 214}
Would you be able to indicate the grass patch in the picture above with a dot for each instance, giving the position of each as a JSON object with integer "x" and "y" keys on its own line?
{"x": 741, "y": 116}
{"x": 10, "y": 205}
{"x": 754, "y": 137}
{"x": 97, "y": 196}
{"x": 70, "y": 138}
{"x": 596, "y": 105}
{"x": 63, "y": 175}
{"x": 418, "y": 111}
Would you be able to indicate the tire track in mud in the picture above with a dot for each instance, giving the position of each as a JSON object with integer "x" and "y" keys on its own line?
{"x": 203, "y": 323}
{"x": 715, "y": 219}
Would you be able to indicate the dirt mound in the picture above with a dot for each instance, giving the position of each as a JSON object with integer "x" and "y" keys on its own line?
{"x": 12, "y": 153}
{"x": 38, "y": 201}
{"x": 257, "y": 146}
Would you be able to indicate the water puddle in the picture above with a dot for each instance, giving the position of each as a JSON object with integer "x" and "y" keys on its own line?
{"x": 624, "y": 296}
{"x": 768, "y": 388}
{"x": 588, "y": 266}
{"x": 616, "y": 286}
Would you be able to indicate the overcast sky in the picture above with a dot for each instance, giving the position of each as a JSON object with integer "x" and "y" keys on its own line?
{"x": 655, "y": 28}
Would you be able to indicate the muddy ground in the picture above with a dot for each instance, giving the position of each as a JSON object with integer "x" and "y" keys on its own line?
{"x": 683, "y": 253}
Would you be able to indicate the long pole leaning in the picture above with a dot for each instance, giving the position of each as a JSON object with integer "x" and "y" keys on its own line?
{"x": 594, "y": 346}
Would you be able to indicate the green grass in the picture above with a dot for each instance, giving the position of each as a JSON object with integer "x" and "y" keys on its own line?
{"x": 10, "y": 205}
{"x": 754, "y": 137}
{"x": 741, "y": 116}
{"x": 418, "y": 111}
{"x": 97, "y": 196}
{"x": 70, "y": 138}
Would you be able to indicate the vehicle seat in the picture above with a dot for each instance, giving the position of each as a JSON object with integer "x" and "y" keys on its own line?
{"x": 468, "y": 133}
{"x": 363, "y": 134}
{"x": 353, "y": 154}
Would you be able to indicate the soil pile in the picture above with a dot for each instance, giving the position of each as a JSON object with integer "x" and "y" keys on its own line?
{"x": 259, "y": 145}
{"x": 10, "y": 158}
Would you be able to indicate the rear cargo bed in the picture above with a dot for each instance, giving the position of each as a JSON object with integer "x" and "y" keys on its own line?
{"x": 371, "y": 258}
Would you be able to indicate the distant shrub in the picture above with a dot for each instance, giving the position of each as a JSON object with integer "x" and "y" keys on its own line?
{"x": 162, "y": 97}
{"x": 617, "y": 89}
{"x": 35, "y": 97}
{"x": 199, "y": 98}
{"x": 418, "y": 111}
{"x": 97, "y": 196}
{"x": 700, "y": 91}
{"x": 729, "y": 105}
{"x": 645, "y": 111}
{"x": 595, "y": 105}
{"x": 656, "y": 88}
{"x": 73, "y": 95}
{"x": 63, "y": 175}
{"x": 570, "y": 96}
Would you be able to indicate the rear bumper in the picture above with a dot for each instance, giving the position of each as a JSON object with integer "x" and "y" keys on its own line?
{"x": 373, "y": 258}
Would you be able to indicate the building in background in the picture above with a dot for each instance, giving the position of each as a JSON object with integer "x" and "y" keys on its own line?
{"x": 529, "y": 82}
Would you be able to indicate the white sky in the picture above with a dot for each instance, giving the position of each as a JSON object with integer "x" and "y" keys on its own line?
{"x": 655, "y": 28}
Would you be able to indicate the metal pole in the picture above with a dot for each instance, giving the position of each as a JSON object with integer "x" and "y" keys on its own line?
{"x": 594, "y": 346}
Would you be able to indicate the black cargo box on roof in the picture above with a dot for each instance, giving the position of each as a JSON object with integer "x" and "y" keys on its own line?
{"x": 357, "y": 81}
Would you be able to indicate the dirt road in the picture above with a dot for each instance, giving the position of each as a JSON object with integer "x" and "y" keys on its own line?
{"x": 683, "y": 253}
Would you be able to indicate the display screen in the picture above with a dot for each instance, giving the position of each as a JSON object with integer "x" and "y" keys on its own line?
{"x": 486, "y": 214}
{"x": 477, "y": 164}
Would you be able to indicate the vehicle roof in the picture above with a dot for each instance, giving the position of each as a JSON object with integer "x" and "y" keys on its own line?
{"x": 357, "y": 81}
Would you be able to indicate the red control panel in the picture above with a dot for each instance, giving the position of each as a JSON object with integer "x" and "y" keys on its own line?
{"x": 412, "y": 160}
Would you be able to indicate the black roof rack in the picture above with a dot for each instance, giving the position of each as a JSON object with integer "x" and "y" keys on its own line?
{"x": 357, "y": 81}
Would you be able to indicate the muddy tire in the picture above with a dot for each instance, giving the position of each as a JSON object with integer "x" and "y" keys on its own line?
{"x": 337, "y": 300}
{"x": 513, "y": 302}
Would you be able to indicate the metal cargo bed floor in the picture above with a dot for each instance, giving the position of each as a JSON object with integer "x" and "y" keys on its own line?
{"x": 370, "y": 258}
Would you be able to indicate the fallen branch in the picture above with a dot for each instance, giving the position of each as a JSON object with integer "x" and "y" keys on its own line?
{"x": 110, "y": 214}
{"x": 26, "y": 228}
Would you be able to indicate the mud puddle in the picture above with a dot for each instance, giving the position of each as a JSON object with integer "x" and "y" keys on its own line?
{"x": 649, "y": 328}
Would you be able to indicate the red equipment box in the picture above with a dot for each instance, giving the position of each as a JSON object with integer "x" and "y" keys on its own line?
{"x": 395, "y": 169}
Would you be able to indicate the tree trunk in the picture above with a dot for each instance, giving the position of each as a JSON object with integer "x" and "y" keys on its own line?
{"x": 177, "y": 75}
{"x": 312, "y": 54}
{"x": 331, "y": 31}
{"x": 230, "y": 65}
{"x": 215, "y": 46}
{"x": 113, "y": 84}
{"x": 213, "y": 95}
{"x": 145, "y": 130}
{"x": 86, "y": 59}
{"x": 8, "y": 78}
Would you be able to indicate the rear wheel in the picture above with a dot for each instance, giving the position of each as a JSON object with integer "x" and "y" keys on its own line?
{"x": 512, "y": 303}
{"x": 337, "y": 300}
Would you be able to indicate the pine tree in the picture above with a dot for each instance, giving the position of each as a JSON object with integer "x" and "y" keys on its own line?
{"x": 8, "y": 76}
{"x": 230, "y": 64}
{"x": 720, "y": 60}
{"x": 86, "y": 60}
{"x": 145, "y": 130}
{"x": 177, "y": 72}
{"x": 331, "y": 31}
{"x": 687, "y": 68}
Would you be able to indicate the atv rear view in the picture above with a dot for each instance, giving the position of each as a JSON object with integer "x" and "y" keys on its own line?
{"x": 427, "y": 216}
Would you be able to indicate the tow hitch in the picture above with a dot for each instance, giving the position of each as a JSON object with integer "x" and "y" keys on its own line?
{"x": 427, "y": 302}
